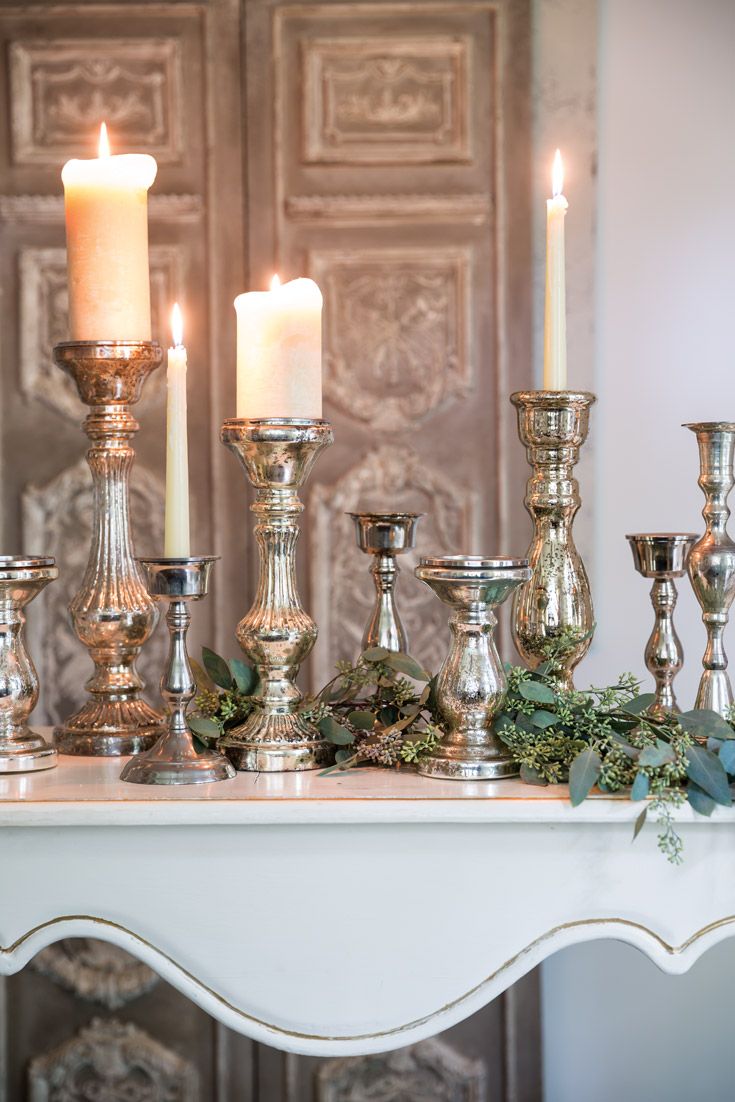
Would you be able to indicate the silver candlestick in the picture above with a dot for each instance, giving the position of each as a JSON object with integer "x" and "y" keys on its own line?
{"x": 472, "y": 685}
{"x": 385, "y": 535}
{"x": 276, "y": 634}
{"x": 173, "y": 759}
{"x": 112, "y": 613}
{"x": 662, "y": 556}
{"x": 553, "y": 611}
{"x": 22, "y": 577}
{"x": 711, "y": 565}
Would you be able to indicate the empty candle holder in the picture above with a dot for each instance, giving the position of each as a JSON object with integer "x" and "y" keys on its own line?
{"x": 711, "y": 564}
{"x": 22, "y": 577}
{"x": 384, "y": 536}
{"x": 662, "y": 556}
{"x": 472, "y": 685}
{"x": 112, "y": 614}
{"x": 174, "y": 759}
{"x": 276, "y": 634}
{"x": 552, "y": 613}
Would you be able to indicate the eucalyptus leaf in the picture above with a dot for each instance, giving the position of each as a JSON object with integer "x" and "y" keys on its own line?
{"x": 244, "y": 676}
{"x": 203, "y": 681}
{"x": 364, "y": 721}
{"x": 335, "y": 732}
{"x": 343, "y": 756}
{"x": 707, "y": 771}
{"x": 584, "y": 773}
{"x": 529, "y": 775}
{"x": 660, "y": 754}
{"x": 639, "y": 704}
{"x": 204, "y": 726}
{"x": 544, "y": 719}
{"x": 630, "y": 751}
{"x": 217, "y": 669}
{"x": 641, "y": 786}
{"x": 407, "y": 665}
{"x": 704, "y": 723}
{"x": 537, "y": 692}
{"x": 699, "y": 800}
{"x": 388, "y": 715}
{"x": 727, "y": 757}
{"x": 375, "y": 654}
{"x": 639, "y": 822}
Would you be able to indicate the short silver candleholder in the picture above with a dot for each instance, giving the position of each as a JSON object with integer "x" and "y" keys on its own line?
{"x": 277, "y": 634}
{"x": 112, "y": 613}
{"x": 383, "y": 536}
{"x": 711, "y": 564}
{"x": 471, "y": 687}
{"x": 174, "y": 759}
{"x": 22, "y": 577}
{"x": 662, "y": 556}
{"x": 553, "y": 611}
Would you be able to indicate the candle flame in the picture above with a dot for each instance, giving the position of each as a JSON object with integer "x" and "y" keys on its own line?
{"x": 104, "y": 144}
{"x": 177, "y": 325}
{"x": 557, "y": 175}
{"x": 275, "y": 283}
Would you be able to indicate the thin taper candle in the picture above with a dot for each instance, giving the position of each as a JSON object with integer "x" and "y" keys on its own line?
{"x": 555, "y": 313}
{"x": 176, "y": 528}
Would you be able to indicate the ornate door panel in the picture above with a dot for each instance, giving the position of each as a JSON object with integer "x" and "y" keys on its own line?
{"x": 386, "y": 149}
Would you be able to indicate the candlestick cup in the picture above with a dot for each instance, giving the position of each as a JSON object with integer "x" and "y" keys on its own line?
{"x": 384, "y": 536}
{"x": 277, "y": 634}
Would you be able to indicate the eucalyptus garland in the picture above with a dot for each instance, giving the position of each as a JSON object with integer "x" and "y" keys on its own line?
{"x": 382, "y": 711}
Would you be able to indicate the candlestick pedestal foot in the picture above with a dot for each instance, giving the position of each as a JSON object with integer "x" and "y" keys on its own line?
{"x": 277, "y": 634}
{"x": 112, "y": 613}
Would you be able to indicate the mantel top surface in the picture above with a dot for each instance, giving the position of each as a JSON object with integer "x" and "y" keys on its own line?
{"x": 82, "y": 791}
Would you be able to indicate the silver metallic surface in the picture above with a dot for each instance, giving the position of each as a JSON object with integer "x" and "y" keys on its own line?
{"x": 472, "y": 685}
{"x": 554, "y": 609}
{"x": 112, "y": 613}
{"x": 662, "y": 556}
{"x": 276, "y": 634}
{"x": 22, "y": 577}
{"x": 385, "y": 535}
{"x": 174, "y": 759}
{"x": 711, "y": 565}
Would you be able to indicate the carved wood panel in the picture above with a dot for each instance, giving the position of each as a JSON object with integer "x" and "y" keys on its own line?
{"x": 386, "y": 153}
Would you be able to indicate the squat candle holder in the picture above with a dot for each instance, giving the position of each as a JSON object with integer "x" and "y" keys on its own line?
{"x": 471, "y": 687}
{"x": 553, "y": 610}
{"x": 385, "y": 535}
{"x": 276, "y": 634}
{"x": 22, "y": 577}
{"x": 662, "y": 556}
{"x": 711, "y": 564}
{"x": 173, "y": 759}
{"x": 112, "y": 613}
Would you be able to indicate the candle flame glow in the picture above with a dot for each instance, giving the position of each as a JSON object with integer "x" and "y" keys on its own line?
{"x": 275, "y": 283}
{"x": 557, "y": 175}
{"x": 177, "y": 325}
{"x": 104, "y": 144}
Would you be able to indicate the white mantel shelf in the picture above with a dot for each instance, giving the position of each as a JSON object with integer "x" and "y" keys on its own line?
{"x": 353, "y": 913}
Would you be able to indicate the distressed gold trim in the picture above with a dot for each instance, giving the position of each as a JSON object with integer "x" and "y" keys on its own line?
{"x": 582, "y": 923}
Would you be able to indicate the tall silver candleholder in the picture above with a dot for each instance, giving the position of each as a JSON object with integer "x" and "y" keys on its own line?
{"x": 471, "y": 687}
{"x": 173, "y": 759}
{"x": 276, "y": 634}
{"x": 22, "y": 577}
{"x": 383, "y": 536}
{"x": 112, "y": 613}
{"x": 711, "y": 564}
{"x": 553, "y": 610}
{"x": 662, "y": 556}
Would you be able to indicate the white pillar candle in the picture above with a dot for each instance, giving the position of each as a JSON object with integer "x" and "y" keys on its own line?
{"x": 176, "y": 528}
{"x": 279, "y": 351}
{"x": 106, "y": 204}
{"x": 555, "y": 314}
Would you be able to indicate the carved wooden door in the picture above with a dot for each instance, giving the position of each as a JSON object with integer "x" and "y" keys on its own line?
{"x": 382, "y": 148}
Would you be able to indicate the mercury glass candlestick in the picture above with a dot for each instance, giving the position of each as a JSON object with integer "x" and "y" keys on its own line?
{"x": 22, "y": 577}
{"x": 662, "y": 556}
{"x": 472, "y": 685}
{"x": 112, "y": 614}
{"x": 174, "y": 759}
{"x": 711, "y": 564}
{"x": 277, "y": 634}
{"x": 553, "y": 610}
{"x": 383, "y": 536}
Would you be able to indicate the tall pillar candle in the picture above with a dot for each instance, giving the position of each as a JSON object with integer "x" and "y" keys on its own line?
{"x": 555, "y": 314}
{"x": 176, "y": 526}
{"x": 279, "y": 351}
{"x": 106, "y": 204}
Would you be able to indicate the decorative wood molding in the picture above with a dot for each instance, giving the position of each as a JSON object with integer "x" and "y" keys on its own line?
{"x": 49, "y": 209}
{"x": 429, "y": 1070}
{"x": 95, "y": 971}
{"x": 408, "y": 209}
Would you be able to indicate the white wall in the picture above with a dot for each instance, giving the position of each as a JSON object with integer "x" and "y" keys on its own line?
{"x": 665, "y": 354}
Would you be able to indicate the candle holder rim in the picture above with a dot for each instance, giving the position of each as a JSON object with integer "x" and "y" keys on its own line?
{"x": 26, "y": 562}
{"x": 392, "y": 517}
{"x": 275, "y": 421}
{"x": 650, "y": 537}
{"x": 105, "y": 346}
{"x": 709, "y": 426}
{"x": 176, "y": 560}
{"x": 553, "y": 399}
{"x": 471, "y": 562}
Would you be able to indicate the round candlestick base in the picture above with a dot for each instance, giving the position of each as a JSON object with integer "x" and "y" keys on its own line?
{"x": 276, "y": 743}
{"x": 29, "y": 753}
